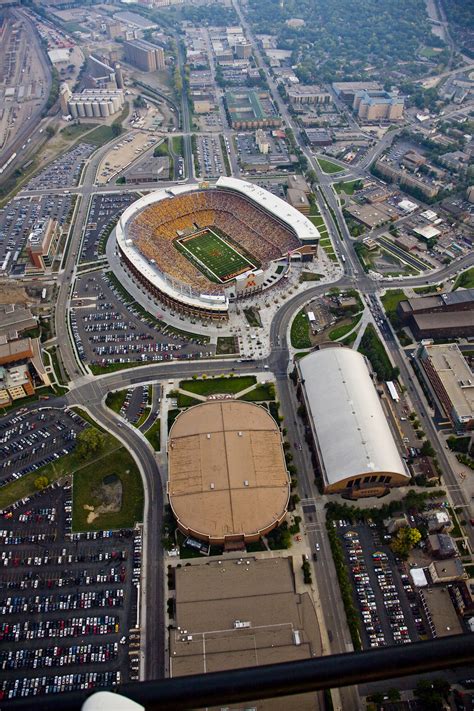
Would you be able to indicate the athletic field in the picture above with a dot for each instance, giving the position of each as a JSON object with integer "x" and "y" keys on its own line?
{"x": 214, "y": 256}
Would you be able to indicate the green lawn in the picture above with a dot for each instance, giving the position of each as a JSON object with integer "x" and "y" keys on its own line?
{"x": 214, "y": 255}
{"x": 76, "y": 130}
{"x": 328, "y": 166}
{"x": 432, "y": 289}
{"x": 264, "y": 391}
{"x": 465, "y": 280}
{"x": 218, "y": 385}
{"x": 310, "y": 276}
{"x": 317, "y": 220}
{"x": 100, "y": 136}
{"x": 153, "y": 435}
{"x": 186, "y": 400}
{"x": 300, "y": 331}
{"x": 392, "y": 298}
{"x": 341, "y": 331}
{"x": 115, "y": 400}
{"x": 347, "y": 187}
{"x": 87, "y": 485}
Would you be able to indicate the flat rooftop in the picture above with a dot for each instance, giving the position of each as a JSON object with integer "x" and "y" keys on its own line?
{"x": 448, "y": 320}
{"x": 443, "y": 614}
{"x": 239, "y": 613}
{"x": 227, "y": 471}
{"x": 455, "y": 375}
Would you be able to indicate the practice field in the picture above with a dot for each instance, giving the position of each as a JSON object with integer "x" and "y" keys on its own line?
{"x": 214, "y": 256}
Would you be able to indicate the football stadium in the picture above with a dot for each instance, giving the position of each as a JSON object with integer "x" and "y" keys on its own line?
{"x": 196, "y": 248}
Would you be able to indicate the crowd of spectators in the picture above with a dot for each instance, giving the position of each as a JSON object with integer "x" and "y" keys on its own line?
{"x": 155, "y": 229}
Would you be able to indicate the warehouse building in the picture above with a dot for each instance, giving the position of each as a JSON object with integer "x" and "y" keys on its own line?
{"x": 460, "y": 300}
{"x": 227, "y": 477}
{"x": 451, "y": 383}
{"x": 353, "y": 445}
{"x": 244, "y": 613}
{"x": 448, "y": 315}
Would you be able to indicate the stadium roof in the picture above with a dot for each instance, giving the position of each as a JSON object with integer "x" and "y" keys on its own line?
{"x": 349, "y": 424}
{"x": 227, "y": 472}
{"x": 216, "y": 302}
{"x": 304, "y": 228}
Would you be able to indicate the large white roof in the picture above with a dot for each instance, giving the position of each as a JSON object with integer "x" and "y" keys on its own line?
{"x": 304, "y": 228}
{"x": 216, "y": 302}
{"x": 352, "y": 433}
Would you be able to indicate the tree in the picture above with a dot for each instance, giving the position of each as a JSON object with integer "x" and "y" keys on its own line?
{"x": 427, "y": 449}
{"x": 49, "y": 130}
{"x": 89, "y": 441}
{"x": 116, "y": 129}
{"x": 405, "y": 539}
{"x": 41, "y": 482}
{"x": 430, "y": 694}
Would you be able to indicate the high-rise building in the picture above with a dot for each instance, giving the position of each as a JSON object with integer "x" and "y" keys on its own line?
{"x": 376, "y": 105}
{"x": 43, "y": 243}
{"x": 144, "y": 55}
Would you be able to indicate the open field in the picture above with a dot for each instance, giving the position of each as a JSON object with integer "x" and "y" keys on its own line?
{"x": 328, "y": 166}
{"x": 299, "y": 333}
{"x": 212, "y": 254}
{"x": 465, "y": 280}
{"x": 218, "y": 385}
{"x": 88, "y": 491}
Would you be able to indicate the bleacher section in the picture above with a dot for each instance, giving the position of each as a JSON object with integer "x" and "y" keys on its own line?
{"x": 155, "y": 228}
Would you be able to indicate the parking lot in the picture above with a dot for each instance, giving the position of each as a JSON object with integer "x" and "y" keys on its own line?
{"x": 104, "y": 211}
{"x": 210, "y": 157}
{"x": 17, "y": 220}
{"x": 63, "y": 172}
{"x": 68, "y": 601}
{"x": 388, "y": 604}
{"x": 107, "y": 330}
{"x": 36, "y": 438}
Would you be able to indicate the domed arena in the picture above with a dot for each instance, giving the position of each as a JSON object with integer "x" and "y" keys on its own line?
{"x": 195, "y": 248}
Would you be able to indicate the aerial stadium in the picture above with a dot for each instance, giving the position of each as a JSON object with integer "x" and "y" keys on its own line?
{"x": 227, "y": 477}
{"x": 196, "y": 248}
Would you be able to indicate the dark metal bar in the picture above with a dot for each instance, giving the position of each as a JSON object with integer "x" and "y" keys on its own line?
{"x": 200, "y": 690}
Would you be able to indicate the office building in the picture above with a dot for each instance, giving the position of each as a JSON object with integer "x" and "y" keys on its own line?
{"x": 42, "y": 243}
{"x": 15, "y": 383}
{"x": 262, "y": 141}
{"x": 451, "y": 383}
{"x": 301, "y": 95}
{"x": 251, "y": 109}
{"x": 144, "y": 55}
{"x": 378, "y": 105}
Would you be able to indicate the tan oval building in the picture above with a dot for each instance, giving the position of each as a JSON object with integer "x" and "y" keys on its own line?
{"x": 227, "y": 477}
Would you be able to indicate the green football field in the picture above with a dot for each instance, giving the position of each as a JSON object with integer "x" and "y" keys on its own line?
{"x": 216, "y": 257}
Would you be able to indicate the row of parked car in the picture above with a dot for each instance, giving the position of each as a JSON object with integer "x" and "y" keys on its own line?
{"x": 54, "y": 685}
{"x": 58, "y": 656}
{"x": 364, "y": 590}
